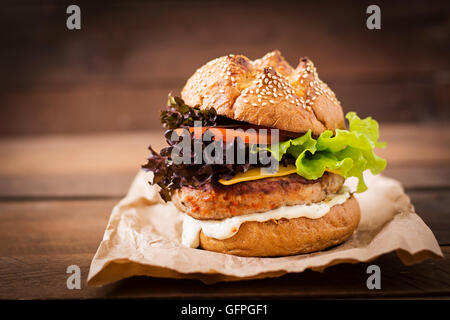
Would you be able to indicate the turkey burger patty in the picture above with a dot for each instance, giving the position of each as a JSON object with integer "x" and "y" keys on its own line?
{"x": 215, "y": 201}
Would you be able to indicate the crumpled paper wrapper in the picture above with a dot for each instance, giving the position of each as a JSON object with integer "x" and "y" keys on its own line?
{"x": 143, "y": 237}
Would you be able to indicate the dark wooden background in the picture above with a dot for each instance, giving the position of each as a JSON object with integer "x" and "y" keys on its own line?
{"x": 118, "y": 69}
{"x": 79, "y": 108}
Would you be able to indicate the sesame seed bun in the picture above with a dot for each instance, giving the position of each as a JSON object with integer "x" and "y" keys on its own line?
{"x": 266, "y": 92}
{"x": 289, "y": 236}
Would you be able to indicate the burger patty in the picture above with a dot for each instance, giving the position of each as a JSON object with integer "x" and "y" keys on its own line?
{"x": 214, "y": 201}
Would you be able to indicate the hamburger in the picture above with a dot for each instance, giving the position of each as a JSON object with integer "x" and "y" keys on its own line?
{"x": 258, "y": 153}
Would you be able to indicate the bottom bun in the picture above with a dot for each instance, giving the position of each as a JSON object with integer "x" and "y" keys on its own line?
{"x": 289, "y": 236}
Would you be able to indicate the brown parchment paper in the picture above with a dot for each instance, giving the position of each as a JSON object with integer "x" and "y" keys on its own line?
{"x": 143, "y": 237}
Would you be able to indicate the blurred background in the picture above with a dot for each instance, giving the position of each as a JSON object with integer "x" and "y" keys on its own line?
{"x": 79, "y": 108}
{"x": 115, "y": 73}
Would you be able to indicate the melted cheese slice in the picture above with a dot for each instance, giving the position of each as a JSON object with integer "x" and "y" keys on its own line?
{"x": 259, "y": 173}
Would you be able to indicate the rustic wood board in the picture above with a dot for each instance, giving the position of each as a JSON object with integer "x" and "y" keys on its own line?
{"x": 116, "y": 72}
{"x": 39, "y": 240}
{"x": 103, "y": 165}
{"x": 57, "y": 192}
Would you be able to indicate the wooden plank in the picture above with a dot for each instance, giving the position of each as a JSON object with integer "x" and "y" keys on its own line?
{"x": 115, "y": 184}
{"x": 146, "y": 42}
{"x": 91, "y": 108}
{"x": 341, "y": 281}
{"x": 409, "y": 144}
{"x": 52, "y": 227}
{"x": 101, "y": 107}
{"x": 120, "y": 82}
{"x": 39, "y": 239}
{"x": 87, "y": 81}
{"x": 40, "y": 226}
{"x": 43, "y": 276}
{"x": 420, "y": 177}
{"x": 103, "y": 165}
{"x": 433, "y": 206}
{"x": 66, "y": 186}
{"x": 65, "y": 154}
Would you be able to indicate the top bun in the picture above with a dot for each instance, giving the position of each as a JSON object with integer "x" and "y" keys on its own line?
{"x": 266, "y": 92}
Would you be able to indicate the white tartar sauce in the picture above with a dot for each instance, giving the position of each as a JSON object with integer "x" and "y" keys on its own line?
{"x": 226, "y": 228}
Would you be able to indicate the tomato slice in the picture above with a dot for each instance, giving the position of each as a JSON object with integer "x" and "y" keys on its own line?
{"x": 248, "y": 134}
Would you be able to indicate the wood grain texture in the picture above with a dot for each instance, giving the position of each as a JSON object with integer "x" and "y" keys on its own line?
{"x": 433, "y": 206}
{"x": 103, "y": 165}
{"x": 52, "y": 227}
{"x": 106, "y": 83}
{"x": 43, "y": 276}
{"x": 117, "y": 70}
{"x": 39, "y": 240}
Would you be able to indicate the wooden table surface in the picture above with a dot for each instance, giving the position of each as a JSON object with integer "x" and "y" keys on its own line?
{"x": 57, "y": 191}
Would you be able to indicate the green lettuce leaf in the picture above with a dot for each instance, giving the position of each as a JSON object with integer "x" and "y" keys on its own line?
{"x": 347, "y": 152}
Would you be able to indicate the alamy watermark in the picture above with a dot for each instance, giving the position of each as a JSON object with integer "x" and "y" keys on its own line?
{"x": 73, "y": 21}
{"x": 374, "y": 20}
{"x": 74, "y": 280}
{"x": 374, "y": 280}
